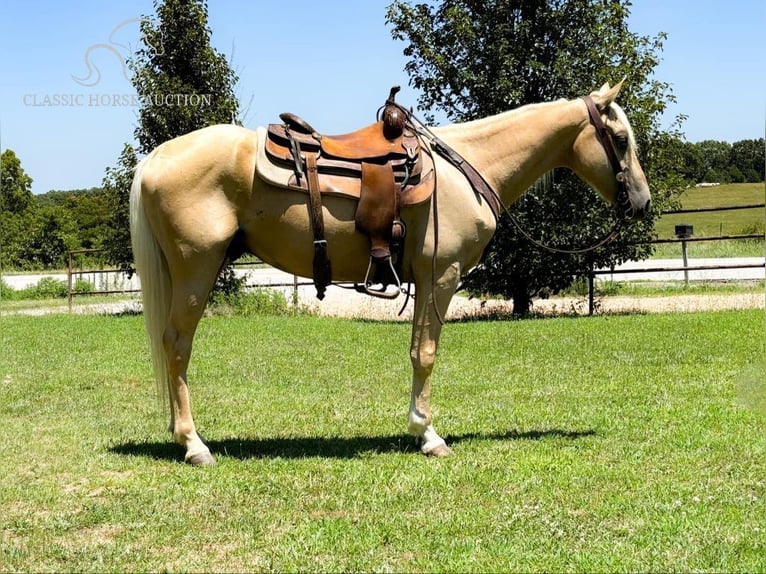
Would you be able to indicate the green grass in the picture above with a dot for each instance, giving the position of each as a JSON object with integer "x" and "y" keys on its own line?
{"x": 665, "y": 289}
{"x": 61, "y": 303}
{"x": 707, "y": 224}
{"x": 591, "y": 444}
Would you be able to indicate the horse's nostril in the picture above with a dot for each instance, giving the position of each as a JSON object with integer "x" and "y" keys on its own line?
{"x": 647, "y": 207}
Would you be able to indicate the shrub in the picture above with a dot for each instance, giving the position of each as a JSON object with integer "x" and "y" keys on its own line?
{"x": 82, "y": 286}
{"x": 228, "y": 288}
{"x": 261, "y": 301}
{"x": 7, "y": 293}
{"x": 47, "y": 288}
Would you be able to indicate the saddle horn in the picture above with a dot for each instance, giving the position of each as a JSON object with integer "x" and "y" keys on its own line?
{"x": 393, "y": 116}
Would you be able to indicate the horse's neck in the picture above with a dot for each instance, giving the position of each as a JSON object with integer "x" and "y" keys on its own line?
{"x": 514, "y": 149}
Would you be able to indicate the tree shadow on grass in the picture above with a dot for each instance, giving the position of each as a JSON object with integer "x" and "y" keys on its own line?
{"x": 328, "y": 447}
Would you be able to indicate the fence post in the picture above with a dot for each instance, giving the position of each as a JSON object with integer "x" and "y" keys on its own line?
{"x": 683, "y": 232}
{"x": 591, "y": 289}
{"x": 69, "y": 283}
{"x": 685, "y": 255}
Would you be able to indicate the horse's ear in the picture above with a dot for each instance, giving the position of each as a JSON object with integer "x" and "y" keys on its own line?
{"x": 606, "y": 95}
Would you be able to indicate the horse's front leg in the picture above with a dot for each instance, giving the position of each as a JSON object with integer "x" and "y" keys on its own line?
{"x": 426, "y": 328}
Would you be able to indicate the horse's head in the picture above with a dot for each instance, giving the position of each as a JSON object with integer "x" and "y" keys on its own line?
{"x": 605, "y": 155}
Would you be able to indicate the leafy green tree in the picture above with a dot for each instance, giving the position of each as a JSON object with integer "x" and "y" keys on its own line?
{"x": 16, "y": 206}
{"x": 52, "y": 233}
{"x": 183, "y": 84}
{"x": 716, "y": 156}
{"x": 474, "y": 58}
{"x": 16, "y": 185}
{"x": 748, "y": 157}
{"x": 88, "y": 209}
{"x": 116, "y": 185}
{"x": 12, "y": 232}
{"x": 691, "y": 163}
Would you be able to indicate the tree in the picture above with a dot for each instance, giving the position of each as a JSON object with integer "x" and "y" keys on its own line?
{"x": 691, "y": 163}
{"x": 50, "y": 237}
{"x": 183, "y": 84}
{"x": 88, "y": 209}
{"x": 474, "y": 58}
{"x": 715, "y": 155}
{"x": 748, "y": 157}
{"x": 16, "y": 207}
{"x": 116, "y": 185}
{"x": 16, "y": 185}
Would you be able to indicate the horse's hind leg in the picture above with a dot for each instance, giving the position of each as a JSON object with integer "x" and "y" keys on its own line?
{"x": 191, "y": 288}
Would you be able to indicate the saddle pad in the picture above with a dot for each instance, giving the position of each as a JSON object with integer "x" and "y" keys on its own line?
{"x": 340, "y": 185}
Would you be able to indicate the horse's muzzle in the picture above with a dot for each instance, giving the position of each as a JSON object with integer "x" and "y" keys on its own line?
{"x": 639, "y": 212}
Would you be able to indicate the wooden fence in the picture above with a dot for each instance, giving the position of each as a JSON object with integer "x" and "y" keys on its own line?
{"x": 683, "y": 240}
{"x": 73, "y": 273}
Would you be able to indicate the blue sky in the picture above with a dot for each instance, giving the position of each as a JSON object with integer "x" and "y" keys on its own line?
{"x": 331, "y": 61}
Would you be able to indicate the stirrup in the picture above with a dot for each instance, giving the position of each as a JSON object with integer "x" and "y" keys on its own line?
{"x": 381, "y": 293}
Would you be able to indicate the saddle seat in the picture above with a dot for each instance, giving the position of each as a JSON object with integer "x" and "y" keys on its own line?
{"x": 367, "y": 143}
{"x": 381, "y": 166}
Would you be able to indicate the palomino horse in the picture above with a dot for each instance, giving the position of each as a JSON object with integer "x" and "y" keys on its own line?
{"x": 196, "y": 194}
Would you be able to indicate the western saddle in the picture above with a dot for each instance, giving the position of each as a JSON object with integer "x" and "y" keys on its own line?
{"x": 381, "y": 165}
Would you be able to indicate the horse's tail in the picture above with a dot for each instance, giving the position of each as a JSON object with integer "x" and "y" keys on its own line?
{"x": 155, "y": 279}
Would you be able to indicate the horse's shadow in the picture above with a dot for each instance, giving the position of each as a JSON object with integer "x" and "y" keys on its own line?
{"x": 328, "y": 447}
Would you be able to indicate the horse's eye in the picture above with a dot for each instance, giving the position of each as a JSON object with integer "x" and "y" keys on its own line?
{"x": 622, "y": 142}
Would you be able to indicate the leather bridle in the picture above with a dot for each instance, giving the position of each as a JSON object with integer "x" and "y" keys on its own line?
{"x": 622, "y": 201}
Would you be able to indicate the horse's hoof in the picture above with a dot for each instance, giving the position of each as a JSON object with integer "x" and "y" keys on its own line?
{"x": 439, "y": 451}
{"x": 200, "y": 459}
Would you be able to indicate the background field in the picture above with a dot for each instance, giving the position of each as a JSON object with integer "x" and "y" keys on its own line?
{"x": 717, "y": 223}
{"x": 612, "y": 443}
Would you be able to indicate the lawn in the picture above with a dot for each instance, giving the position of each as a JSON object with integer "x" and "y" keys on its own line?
{"x": 612, "y": 443}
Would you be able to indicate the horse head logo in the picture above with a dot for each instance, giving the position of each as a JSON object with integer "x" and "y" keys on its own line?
{"x": 120, "y": 51}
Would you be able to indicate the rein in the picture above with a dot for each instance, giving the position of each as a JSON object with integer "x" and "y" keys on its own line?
{"x": 477, "y": 181}
{"x": 479, "y": 184}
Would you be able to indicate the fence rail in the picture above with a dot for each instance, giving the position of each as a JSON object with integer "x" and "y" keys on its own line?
{"x": 708, "y": 209}
{"x": 72, "y": 273}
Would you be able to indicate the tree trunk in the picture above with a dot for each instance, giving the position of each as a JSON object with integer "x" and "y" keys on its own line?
{"x": 521, "y": 299}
